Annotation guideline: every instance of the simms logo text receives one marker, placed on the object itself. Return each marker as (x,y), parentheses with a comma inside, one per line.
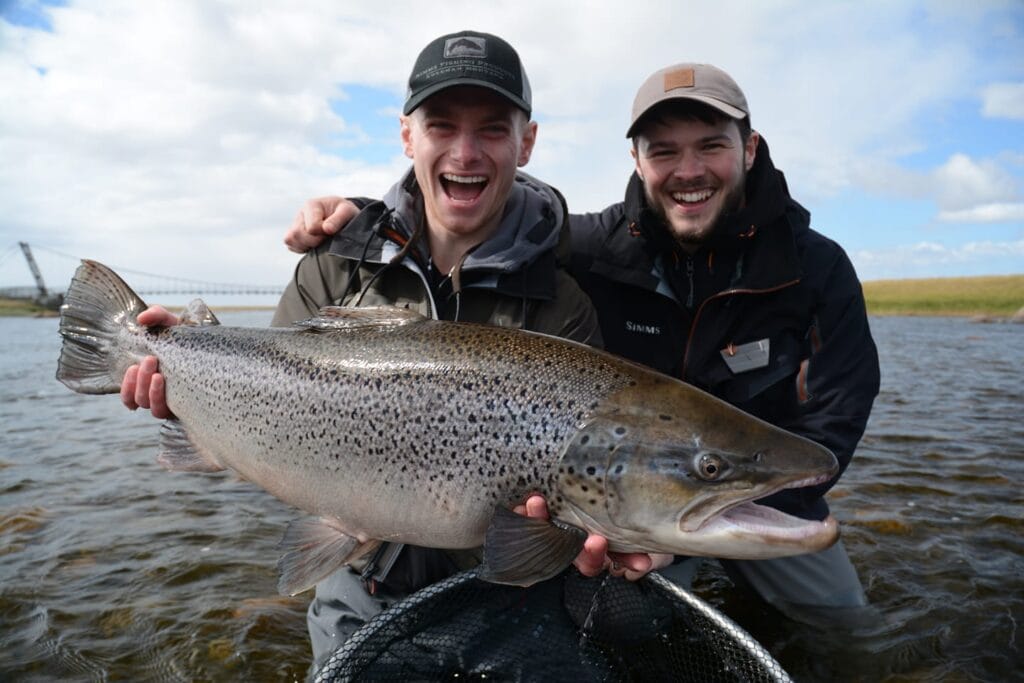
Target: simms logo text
(642,328)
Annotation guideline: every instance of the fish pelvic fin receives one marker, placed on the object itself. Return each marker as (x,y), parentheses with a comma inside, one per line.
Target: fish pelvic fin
(179,454)
(98,304)
(313,550)
(520,550)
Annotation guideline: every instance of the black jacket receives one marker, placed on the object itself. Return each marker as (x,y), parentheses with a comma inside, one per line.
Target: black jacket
(765,275)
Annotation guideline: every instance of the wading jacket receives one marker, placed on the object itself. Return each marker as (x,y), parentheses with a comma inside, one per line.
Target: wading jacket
(768,315)
(514,279)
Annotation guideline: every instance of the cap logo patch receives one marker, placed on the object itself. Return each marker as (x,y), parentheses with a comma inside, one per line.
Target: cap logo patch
(680,78)
(465,46)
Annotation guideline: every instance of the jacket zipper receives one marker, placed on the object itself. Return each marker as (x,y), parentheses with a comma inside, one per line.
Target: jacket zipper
(689,278)
(720,295)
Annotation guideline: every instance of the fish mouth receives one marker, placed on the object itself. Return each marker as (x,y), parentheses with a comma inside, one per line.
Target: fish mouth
(774,527)
(741,508)
(778,528)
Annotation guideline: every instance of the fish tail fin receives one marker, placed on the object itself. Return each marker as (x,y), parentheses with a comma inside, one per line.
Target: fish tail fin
(97,306)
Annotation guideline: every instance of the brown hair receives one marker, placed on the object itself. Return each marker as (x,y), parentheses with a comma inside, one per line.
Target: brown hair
(687,110)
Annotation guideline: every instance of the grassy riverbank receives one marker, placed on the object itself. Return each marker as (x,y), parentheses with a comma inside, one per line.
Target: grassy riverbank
(996,296)
(23,308)
(1000,296)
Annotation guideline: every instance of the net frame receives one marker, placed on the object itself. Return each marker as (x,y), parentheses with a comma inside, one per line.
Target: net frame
(568,628)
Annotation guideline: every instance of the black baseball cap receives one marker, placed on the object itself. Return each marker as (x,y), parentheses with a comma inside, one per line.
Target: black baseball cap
(468,58)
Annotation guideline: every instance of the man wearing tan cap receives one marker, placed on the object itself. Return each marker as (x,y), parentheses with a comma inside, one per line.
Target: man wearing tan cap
(709,271)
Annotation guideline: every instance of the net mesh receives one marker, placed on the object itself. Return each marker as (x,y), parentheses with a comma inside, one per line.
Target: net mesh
(568,628)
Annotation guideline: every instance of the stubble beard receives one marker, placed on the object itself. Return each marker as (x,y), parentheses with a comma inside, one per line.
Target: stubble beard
(691,241)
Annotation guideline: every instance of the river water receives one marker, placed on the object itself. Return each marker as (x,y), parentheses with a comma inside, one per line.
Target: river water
(113,569)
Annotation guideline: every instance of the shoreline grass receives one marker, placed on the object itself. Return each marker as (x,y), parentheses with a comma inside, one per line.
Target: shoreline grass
(986,296)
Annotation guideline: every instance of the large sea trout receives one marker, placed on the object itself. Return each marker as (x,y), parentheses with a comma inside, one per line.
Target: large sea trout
(387,426)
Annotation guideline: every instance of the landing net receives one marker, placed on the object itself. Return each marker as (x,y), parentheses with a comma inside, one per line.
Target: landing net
(570,628)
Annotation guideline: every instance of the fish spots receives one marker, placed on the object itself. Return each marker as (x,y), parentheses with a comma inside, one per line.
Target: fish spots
(432,410)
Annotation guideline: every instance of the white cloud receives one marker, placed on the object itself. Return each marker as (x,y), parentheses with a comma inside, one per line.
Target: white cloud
(926,259)
(986,213)
(965,190)
(194,130)
(963,184)
(1003,100)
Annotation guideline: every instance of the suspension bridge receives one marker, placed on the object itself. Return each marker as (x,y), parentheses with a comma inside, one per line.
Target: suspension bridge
(144,283)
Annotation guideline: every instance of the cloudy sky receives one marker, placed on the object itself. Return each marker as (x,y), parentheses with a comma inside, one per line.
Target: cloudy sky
(181,137)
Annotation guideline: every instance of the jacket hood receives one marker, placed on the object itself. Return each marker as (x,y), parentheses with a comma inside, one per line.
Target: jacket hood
(531,223)
(518,259)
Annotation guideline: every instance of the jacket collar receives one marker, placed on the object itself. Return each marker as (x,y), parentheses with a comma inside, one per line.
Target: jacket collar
(519,259)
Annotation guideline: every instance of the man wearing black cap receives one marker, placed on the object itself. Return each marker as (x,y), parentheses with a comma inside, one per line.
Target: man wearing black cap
(709,271)
(462,236)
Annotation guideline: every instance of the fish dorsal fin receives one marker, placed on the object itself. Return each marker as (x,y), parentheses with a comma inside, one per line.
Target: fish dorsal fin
(198,314)
(348,318)
(520,550)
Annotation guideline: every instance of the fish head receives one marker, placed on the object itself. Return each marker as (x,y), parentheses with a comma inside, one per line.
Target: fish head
(678,472)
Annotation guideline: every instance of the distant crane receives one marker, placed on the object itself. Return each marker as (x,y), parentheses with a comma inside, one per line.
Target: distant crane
(43,298)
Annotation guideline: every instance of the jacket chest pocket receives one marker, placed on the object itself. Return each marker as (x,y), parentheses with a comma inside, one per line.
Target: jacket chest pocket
(757,372)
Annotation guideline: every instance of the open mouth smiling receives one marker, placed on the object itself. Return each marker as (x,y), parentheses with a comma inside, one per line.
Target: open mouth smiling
(692,197)
(463,188)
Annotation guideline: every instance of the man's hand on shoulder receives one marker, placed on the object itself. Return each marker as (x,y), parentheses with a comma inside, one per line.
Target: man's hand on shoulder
(595,558)
(143,386)
(317,220)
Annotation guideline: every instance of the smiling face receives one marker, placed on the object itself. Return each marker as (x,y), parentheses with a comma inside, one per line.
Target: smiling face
(466,143)
(693,172)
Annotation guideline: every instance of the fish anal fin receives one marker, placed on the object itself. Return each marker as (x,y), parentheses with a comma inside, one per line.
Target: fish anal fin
(521,551)
(179,454)
(313,549)
(349,318)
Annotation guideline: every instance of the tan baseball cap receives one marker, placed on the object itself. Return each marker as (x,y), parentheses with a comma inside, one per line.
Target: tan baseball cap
(699,82)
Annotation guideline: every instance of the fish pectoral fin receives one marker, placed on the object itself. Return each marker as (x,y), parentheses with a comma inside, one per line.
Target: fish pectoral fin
(521,551)
(332,318)
(179,454)
(198,314)
(314,549)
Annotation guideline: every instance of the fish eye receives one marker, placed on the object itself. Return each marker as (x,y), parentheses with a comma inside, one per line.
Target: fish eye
(710,467)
